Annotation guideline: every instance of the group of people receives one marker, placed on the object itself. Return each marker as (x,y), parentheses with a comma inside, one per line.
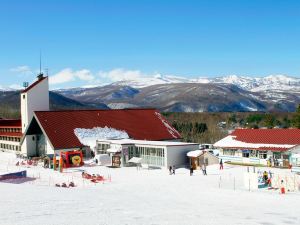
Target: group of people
(203,168)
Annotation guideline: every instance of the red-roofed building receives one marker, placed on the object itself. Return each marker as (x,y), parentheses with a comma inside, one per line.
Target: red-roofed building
(259,146)
(55,130)
(48,131)
(10,135)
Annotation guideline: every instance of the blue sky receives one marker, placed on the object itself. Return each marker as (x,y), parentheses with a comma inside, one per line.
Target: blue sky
(90,42)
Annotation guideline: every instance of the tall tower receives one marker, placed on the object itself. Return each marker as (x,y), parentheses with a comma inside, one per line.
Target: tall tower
(34,98)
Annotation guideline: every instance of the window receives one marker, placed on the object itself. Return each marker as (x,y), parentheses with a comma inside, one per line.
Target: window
(230,152)
(262,154)
(24,96)
(253,153)
(246,154)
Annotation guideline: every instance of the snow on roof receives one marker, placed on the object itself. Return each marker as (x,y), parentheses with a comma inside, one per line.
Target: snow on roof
(231,142)
(195,153)
(170,129)
(144,142)
(89,137)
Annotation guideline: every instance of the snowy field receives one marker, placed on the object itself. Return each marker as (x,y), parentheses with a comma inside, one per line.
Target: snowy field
(141,197)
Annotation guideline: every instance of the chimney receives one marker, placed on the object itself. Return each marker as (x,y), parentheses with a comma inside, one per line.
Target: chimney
(40,76)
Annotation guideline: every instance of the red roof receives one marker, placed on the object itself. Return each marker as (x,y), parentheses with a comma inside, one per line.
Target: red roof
(34,84)
(140,124)
(8,123)
(268,136)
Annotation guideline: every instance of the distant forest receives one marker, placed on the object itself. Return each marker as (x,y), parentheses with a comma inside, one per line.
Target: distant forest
(211,127)
(207,127)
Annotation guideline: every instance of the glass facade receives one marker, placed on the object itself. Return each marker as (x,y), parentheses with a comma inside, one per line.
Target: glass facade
(102,148)
(150,155)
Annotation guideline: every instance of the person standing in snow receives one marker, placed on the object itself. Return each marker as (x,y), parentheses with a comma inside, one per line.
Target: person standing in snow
(170,170)
(173,170)
(203,167)
(221,164)
(191,171)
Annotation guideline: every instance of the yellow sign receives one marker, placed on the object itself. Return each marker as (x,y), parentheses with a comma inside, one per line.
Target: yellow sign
(76,160)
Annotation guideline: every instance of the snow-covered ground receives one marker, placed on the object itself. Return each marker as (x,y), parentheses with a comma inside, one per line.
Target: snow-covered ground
(141,197)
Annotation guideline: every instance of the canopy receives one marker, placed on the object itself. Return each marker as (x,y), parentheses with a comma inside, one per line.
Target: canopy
(135,160)
(195,153)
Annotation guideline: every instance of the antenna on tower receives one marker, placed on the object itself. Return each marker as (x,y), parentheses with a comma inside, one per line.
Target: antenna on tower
(40,75)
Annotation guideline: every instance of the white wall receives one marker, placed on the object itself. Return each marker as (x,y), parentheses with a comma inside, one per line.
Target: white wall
(49,149)
(28,147)
(176,155)
(36,99)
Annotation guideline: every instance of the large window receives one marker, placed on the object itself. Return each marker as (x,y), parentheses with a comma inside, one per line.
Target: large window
(150,155)
(230,152)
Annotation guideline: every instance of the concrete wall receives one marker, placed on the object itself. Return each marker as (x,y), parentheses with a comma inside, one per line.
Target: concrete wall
(208,158)
(176,155)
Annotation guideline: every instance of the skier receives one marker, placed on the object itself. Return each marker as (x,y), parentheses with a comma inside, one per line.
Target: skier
(170,170)
(221,164)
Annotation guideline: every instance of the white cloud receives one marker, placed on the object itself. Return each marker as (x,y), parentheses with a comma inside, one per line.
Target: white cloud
(68,75)
(84,75)
(121,74)
(64,76)
(21,69)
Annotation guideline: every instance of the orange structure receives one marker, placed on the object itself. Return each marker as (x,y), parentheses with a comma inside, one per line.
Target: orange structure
(72,158)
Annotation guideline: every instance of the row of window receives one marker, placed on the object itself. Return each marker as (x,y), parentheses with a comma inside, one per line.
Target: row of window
(5,138)
(10,130)
(246,154)
(10,147)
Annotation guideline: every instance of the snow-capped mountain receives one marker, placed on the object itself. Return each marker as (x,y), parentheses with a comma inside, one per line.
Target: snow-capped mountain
(171,93)
(272,82)
(150,81)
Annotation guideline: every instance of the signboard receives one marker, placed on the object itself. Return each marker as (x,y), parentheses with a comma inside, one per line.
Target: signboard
(125,151)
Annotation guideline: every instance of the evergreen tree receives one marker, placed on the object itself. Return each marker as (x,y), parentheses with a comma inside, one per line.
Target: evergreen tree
(296,118)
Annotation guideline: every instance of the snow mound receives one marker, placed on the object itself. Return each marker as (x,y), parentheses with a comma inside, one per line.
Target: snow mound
(89,137)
